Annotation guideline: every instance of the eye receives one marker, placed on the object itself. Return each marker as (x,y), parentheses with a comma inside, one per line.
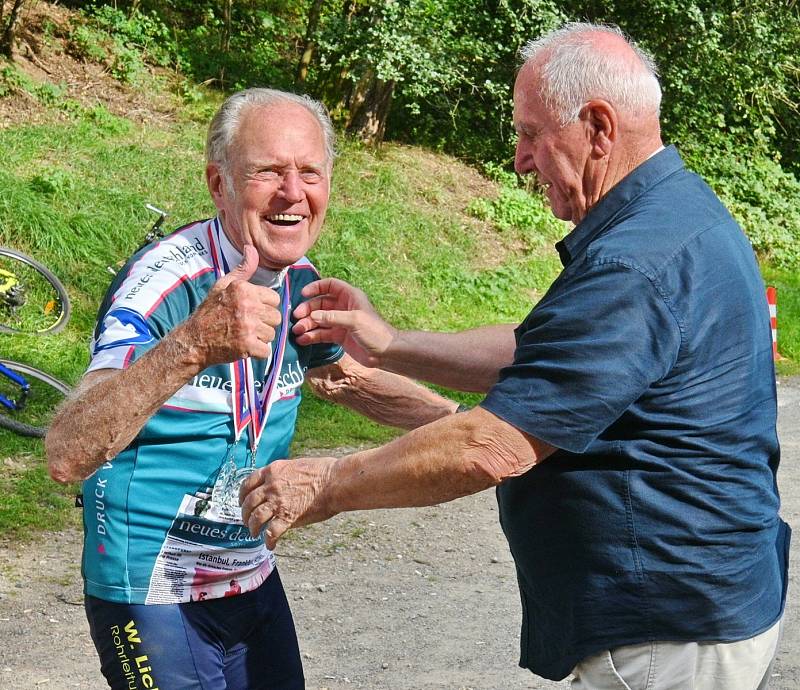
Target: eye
(527,132)
(311,175)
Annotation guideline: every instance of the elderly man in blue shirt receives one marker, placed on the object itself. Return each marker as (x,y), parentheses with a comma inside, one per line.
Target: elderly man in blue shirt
(630,420)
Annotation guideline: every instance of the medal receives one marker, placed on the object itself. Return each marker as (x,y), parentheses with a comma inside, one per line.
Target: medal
(250,408)
(225,494)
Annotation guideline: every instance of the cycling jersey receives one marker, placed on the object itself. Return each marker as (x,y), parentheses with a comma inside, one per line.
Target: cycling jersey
(153,531)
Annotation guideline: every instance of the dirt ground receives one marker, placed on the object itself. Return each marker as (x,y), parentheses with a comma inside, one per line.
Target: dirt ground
(414,599)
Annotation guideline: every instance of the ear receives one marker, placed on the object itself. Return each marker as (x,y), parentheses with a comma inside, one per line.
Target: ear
(602,124)
(216,184)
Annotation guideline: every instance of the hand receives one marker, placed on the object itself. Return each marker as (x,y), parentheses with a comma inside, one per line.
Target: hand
(285,494)
(237,319)
(339,313)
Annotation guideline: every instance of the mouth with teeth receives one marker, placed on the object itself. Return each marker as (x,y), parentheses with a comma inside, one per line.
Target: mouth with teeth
(285,219)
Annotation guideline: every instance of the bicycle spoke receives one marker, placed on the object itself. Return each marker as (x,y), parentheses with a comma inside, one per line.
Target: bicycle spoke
(29,301)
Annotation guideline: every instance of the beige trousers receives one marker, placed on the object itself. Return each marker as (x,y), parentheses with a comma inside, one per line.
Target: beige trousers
(743,665)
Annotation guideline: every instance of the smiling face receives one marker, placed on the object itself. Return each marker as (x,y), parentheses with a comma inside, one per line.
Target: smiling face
(279,183)
(559,156)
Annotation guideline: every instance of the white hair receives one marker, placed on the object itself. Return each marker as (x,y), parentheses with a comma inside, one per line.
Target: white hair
(225,123)
(574,70)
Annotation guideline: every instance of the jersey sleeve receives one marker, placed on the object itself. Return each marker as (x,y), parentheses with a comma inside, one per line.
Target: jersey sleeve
(584,354)
(143,304)
(321,354)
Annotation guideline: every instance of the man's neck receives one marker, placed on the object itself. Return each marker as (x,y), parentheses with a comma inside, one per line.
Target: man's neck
(268,277)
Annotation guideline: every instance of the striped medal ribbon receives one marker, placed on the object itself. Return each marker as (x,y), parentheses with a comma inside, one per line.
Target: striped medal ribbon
(250,408)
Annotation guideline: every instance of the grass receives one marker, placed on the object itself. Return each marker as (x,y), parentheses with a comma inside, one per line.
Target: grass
(787,284)
(404,224)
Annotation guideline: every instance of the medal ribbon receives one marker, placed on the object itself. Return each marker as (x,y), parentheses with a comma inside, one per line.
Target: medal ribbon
(250,408)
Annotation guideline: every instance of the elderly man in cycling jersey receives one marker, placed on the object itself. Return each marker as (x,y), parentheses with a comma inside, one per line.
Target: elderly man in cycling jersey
(193,383)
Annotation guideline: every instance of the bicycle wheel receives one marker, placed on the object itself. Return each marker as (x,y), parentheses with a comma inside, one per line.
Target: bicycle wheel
(32,299)
(45,394)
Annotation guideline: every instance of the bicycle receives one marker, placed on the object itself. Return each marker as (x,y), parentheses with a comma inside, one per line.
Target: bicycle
(28,397)
(32,301)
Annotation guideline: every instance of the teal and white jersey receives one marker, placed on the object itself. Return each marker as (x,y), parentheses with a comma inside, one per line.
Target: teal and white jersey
(153,534)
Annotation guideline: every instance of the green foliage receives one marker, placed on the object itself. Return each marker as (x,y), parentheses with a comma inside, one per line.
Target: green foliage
(126,44)
(730,73)
(88,44)
(10,80)
(451,61)
(256,54)
(31,500)
(46,93)
(761,195)
(517,209)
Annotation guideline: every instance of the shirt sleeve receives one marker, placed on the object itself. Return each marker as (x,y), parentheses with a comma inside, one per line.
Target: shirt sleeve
(321,354)
(325,353)
(139,310)
(585,353)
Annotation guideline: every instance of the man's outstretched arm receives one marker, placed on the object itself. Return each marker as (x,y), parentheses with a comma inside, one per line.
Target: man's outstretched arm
(382,396)
(453,457)
(467,361)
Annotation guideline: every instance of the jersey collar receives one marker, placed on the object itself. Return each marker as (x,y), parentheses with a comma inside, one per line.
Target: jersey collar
(233,257)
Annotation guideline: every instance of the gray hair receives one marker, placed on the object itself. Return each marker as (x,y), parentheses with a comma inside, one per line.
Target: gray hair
(226,122)
(574,71)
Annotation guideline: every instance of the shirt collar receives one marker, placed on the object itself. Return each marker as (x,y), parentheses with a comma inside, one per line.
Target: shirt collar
(646,175)
(233,257)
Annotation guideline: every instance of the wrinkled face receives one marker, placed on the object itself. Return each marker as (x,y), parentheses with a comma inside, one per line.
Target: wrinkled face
(556,155)
(279,183)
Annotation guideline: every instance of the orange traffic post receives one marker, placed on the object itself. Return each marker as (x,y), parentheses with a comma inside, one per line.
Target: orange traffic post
(772,300)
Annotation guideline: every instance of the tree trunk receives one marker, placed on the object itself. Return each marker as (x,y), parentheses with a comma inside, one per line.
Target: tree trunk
(309,44)
(225,43)
(369,109)
(10,29)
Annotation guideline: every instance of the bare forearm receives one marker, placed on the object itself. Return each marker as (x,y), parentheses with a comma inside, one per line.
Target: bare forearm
(454,457)
(466,361)
(382,396)
(105,415)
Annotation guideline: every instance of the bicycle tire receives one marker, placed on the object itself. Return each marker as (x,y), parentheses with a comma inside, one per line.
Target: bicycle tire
(46,309)
(46,392)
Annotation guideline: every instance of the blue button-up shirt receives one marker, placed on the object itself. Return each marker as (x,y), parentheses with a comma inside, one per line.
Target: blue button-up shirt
(648,364)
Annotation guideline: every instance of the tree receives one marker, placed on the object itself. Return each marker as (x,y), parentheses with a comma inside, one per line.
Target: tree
(309,43)
(9,23)
(424,56)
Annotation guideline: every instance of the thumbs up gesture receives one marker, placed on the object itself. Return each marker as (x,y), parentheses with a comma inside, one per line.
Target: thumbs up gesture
(236,319)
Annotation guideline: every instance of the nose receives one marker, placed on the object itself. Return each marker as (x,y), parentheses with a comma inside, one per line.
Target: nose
(291,187)
(523,158)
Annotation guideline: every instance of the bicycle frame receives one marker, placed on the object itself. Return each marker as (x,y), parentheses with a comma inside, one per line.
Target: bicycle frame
(24,387)
(9,289)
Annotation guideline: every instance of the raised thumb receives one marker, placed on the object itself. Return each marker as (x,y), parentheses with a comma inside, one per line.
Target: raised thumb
(244,270)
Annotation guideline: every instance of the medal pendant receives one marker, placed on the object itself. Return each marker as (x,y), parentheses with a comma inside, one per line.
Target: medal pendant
(225,495)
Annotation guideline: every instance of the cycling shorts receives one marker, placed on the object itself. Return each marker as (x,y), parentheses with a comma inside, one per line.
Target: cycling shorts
(242,642)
